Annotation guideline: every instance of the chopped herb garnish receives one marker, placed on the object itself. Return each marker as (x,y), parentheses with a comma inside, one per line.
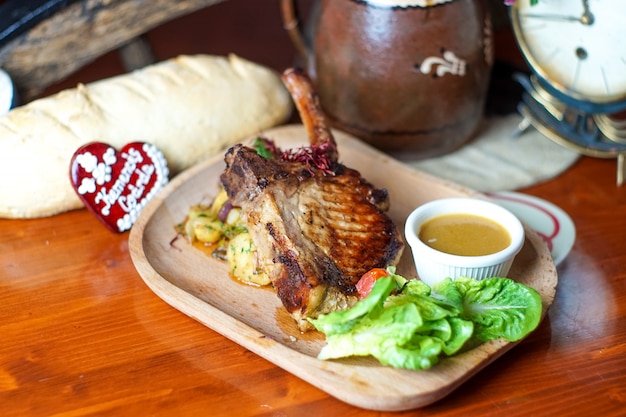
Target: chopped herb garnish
(266,148)
(314,156)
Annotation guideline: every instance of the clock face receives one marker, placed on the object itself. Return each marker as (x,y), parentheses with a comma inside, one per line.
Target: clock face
(577,46)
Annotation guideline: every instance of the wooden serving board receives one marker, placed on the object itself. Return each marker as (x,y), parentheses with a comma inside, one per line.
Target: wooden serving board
(200,286)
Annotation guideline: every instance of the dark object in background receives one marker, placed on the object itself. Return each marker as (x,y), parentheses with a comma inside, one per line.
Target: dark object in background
(44,41)
(505,92)
(18,17)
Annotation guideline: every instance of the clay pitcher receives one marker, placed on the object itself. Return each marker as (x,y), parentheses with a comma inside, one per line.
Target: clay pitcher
(410,77)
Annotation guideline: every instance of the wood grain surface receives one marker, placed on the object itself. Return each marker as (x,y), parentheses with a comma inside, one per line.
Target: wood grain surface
(82,334)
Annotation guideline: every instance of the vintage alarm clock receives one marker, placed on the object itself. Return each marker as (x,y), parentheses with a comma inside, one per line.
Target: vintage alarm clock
(576,93)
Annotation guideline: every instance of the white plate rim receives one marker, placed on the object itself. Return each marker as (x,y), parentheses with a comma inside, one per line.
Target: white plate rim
(559,234)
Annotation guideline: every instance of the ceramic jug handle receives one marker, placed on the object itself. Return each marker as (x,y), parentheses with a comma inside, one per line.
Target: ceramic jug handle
(291,23)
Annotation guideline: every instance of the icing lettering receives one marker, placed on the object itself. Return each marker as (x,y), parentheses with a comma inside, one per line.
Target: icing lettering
(133,157)
(130,202)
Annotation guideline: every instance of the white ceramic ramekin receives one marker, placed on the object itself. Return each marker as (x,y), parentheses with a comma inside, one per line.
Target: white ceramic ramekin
(433,266)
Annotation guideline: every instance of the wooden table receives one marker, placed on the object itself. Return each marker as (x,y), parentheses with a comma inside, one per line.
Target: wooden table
(81,334)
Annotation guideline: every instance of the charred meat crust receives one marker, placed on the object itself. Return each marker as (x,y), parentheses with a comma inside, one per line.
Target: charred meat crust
(320,230)
(317,225)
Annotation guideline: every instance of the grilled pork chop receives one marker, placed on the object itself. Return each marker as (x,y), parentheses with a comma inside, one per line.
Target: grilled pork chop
(317,230)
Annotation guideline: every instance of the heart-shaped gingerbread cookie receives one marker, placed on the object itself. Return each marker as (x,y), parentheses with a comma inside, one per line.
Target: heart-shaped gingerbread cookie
(116,185)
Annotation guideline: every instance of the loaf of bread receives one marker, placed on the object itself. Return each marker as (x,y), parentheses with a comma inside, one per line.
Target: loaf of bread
(190,107)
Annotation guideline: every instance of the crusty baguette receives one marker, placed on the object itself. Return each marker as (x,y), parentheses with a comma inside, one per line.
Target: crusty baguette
(190,107)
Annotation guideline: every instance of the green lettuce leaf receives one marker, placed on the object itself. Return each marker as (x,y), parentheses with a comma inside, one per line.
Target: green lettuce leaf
(421,352)
(498,307)
(415,327)
(453,332)
(344,320)
(372,335)
(430,307)
(415,287)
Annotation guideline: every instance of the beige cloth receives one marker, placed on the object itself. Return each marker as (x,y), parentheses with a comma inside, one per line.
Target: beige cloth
(497,160)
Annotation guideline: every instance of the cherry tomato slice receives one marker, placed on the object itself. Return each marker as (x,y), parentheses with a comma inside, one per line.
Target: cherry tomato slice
(365,284)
